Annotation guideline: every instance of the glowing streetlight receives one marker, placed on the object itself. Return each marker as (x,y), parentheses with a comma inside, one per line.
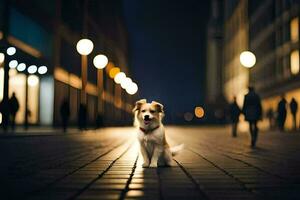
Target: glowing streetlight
(42,70)
(199,112)
(113,72)
(247,59)
(126,83)
(11,51)
(100,61)
(84,46)
(21,67)
(132,88)
(32,69)
(119,77)
(13,64)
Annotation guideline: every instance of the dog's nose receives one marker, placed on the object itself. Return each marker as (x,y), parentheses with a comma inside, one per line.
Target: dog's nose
(146,117)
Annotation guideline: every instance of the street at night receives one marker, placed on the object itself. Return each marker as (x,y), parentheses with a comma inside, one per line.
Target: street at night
(106,164)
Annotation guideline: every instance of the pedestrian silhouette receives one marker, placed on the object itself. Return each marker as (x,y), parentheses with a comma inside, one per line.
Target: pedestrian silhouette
(252,110)
(13,105)
(82,115)
(270,115)
(294,109)
(281,113)
(234,111)
(4,109)
(65,113)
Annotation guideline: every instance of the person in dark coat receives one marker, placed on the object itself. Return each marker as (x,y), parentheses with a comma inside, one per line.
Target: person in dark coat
(82,117)
(234,111)
(294,109)
(252,110)
(14,106)
(65,113)
(281,113)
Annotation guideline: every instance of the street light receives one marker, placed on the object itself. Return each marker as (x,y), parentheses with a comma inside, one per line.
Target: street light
(84,48)
(247,59)
(100,61)
(119,77)
(132,88)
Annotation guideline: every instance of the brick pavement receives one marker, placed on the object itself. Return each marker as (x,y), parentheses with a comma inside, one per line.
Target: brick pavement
(106,165)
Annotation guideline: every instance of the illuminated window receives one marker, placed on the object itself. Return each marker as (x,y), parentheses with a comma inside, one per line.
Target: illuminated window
(295,62)
(295,29)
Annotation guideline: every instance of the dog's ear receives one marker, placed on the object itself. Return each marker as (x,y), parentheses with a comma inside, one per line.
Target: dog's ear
(138,104)
(159,107)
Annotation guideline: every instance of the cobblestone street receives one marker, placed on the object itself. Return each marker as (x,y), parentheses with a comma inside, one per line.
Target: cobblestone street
(106,165)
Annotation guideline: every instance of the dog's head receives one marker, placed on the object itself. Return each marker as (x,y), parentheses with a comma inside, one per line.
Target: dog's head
(148,114)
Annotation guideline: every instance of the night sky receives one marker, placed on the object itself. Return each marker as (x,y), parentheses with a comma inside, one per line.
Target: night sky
(167,51)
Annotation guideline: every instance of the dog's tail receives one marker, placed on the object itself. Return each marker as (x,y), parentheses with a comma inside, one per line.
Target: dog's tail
(176,149)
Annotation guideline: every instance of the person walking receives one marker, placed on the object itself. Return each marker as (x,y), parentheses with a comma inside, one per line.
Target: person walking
(235,112)
(82,117)
(271,117)
(294,109)
(281,113)
(65,113)
(13,105)
(252,110)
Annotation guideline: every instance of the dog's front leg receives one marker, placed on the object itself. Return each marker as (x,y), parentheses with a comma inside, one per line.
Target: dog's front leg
(145,156)
(156,153)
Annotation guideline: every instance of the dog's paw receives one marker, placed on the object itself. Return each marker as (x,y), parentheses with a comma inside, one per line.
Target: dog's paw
(145,165)
(153,165)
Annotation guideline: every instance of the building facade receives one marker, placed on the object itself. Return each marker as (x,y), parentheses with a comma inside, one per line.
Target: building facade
(274,39)
(270,29)
(45,33)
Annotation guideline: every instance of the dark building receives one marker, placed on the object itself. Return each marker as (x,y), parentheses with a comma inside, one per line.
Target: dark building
(270,29)
(45,33)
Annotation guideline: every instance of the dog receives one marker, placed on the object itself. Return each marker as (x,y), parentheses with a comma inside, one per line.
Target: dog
(151,134)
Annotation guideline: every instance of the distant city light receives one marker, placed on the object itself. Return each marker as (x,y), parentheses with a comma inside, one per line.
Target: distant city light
(84,46)
(126,82)
(132,88)
(13,64)
(100,61)
(113,72)
(42,70)
(199,112)
(33,80)
(32,69)
(119,77)
(11,51)
(21,67)
(2,57)
(247,59)
(188,116)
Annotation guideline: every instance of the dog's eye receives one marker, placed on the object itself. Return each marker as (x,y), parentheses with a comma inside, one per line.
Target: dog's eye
(152,111)
(143,111)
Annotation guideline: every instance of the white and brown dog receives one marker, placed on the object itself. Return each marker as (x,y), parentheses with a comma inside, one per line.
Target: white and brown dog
(151,134)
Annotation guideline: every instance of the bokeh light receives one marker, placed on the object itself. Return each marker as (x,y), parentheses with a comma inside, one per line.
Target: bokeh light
(199,112)
(42,70)
(113,72)
(126,83)
(13,64)
(188,116)
(119,77)
(21,67)
(132,88)
(84,46)
(247,59)
(32,69)
(11,51)
(100,61)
